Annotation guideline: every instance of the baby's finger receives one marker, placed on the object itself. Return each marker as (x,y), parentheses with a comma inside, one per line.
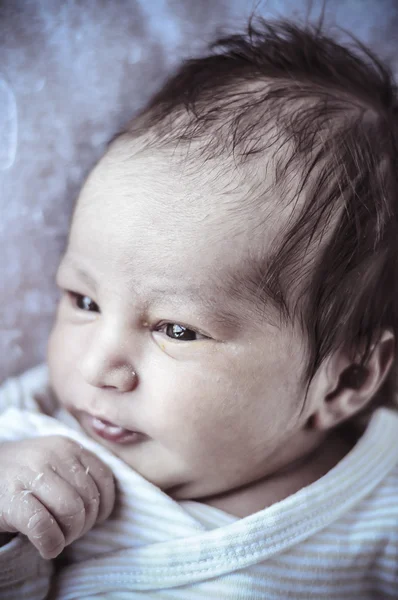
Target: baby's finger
(62,500)
(104,480)
(78,477)
(27,515)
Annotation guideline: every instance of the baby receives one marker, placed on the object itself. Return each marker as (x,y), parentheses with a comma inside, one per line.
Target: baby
(224,343)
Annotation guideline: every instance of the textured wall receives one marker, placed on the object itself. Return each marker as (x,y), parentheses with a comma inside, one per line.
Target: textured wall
(71,73)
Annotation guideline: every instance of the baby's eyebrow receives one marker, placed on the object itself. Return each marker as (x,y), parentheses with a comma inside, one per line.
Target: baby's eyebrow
(211,303)
(220,301)
(196,294)
(69,263)
(241,295)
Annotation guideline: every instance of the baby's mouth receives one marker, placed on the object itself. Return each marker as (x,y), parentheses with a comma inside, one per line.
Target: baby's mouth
(110,431)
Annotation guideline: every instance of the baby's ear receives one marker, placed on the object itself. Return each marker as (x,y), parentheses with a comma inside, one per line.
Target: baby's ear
(343,388)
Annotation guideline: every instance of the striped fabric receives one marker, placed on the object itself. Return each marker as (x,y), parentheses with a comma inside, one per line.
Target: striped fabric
(337,538)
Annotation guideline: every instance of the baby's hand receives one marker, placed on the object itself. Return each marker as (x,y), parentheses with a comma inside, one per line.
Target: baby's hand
(53,491)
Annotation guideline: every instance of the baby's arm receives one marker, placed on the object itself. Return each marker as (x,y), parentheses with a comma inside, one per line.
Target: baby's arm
(34,472)
(24,574)
(52,491)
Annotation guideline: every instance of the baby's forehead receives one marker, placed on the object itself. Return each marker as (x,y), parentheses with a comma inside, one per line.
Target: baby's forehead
(178,196)
(184,177)
(209,202)
(182,165)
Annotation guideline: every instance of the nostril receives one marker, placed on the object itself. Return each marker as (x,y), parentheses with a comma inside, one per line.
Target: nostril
(121,379)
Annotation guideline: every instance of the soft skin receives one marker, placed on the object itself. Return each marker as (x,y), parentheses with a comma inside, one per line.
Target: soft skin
(53,491)
(222,411)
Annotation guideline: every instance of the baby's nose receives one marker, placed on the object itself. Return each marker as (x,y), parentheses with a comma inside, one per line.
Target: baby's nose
(122,378)
(106,357)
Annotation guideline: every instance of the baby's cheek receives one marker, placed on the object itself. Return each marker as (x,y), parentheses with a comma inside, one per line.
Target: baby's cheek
(213,415)
(63,358)
(58,347)
(182,407)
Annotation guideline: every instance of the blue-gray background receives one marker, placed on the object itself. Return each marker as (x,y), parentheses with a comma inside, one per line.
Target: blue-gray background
(71,73)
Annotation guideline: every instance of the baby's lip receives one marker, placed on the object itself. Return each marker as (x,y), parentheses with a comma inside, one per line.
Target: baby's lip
(107,421)
(111,432)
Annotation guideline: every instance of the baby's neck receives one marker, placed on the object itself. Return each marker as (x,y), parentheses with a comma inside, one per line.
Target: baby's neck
(256,496)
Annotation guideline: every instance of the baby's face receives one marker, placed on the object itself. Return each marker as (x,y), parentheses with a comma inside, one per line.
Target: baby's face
(154,335)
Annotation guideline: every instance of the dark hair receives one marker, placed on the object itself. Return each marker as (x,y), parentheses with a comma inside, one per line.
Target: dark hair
(334,109)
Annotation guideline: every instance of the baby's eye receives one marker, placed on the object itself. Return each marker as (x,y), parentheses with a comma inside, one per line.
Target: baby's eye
(179,332)
(84,302)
